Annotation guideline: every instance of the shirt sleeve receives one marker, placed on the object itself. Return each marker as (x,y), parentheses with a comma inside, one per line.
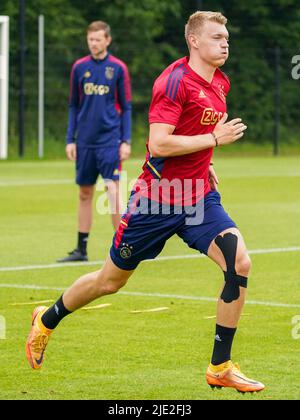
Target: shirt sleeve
(73,106)
(167,100)
(124,99)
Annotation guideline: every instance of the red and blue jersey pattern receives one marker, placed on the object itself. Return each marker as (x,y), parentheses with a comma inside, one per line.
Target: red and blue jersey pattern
(194,106)
(100,103)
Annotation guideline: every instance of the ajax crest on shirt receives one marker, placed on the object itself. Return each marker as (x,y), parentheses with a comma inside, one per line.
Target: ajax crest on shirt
(109,73)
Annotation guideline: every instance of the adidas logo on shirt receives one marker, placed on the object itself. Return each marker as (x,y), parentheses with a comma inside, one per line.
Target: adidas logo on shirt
(202,94)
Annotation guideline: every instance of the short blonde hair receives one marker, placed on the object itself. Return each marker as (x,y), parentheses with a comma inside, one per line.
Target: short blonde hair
(198,19)
(99,25)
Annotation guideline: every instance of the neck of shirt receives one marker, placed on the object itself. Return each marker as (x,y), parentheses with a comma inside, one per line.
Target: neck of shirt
(100,60)
(203,80)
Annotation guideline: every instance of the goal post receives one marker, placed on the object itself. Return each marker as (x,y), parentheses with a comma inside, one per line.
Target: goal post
(4,74)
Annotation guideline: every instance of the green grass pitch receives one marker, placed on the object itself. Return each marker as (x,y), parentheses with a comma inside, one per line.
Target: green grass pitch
(112,353)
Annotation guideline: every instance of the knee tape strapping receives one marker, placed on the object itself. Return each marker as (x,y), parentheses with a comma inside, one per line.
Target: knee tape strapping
(228,246)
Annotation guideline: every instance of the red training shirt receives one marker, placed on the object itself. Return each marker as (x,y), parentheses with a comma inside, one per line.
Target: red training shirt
(184,99)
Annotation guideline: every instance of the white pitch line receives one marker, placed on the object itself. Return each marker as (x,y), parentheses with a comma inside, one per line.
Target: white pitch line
(33,183)
(274,250)
(48,266)
(166,258)
(260,175)
(29,286)
(157,295)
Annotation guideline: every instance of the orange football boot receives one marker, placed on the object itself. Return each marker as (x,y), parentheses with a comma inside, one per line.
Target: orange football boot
(38,339)
(229,375)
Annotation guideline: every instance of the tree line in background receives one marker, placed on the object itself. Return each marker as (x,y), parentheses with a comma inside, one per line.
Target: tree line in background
(148,35)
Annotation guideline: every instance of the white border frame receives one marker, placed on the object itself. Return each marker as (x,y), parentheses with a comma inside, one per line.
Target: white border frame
(41,84)
(4,81)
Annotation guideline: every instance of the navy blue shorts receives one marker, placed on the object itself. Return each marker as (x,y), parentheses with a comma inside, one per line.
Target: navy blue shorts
(91,163)
(143,236)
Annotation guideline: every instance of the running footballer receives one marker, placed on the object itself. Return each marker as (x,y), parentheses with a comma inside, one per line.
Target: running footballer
(188,120)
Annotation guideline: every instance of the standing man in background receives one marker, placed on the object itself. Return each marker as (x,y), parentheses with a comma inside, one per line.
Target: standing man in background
(99,129)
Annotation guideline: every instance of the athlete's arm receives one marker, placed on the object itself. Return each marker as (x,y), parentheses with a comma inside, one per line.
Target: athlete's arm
(163,143)
(124,96)
(71,151)
(125,151)
(73,108)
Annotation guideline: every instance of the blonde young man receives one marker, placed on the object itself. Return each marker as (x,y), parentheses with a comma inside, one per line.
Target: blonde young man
(99,129)
(187,121)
